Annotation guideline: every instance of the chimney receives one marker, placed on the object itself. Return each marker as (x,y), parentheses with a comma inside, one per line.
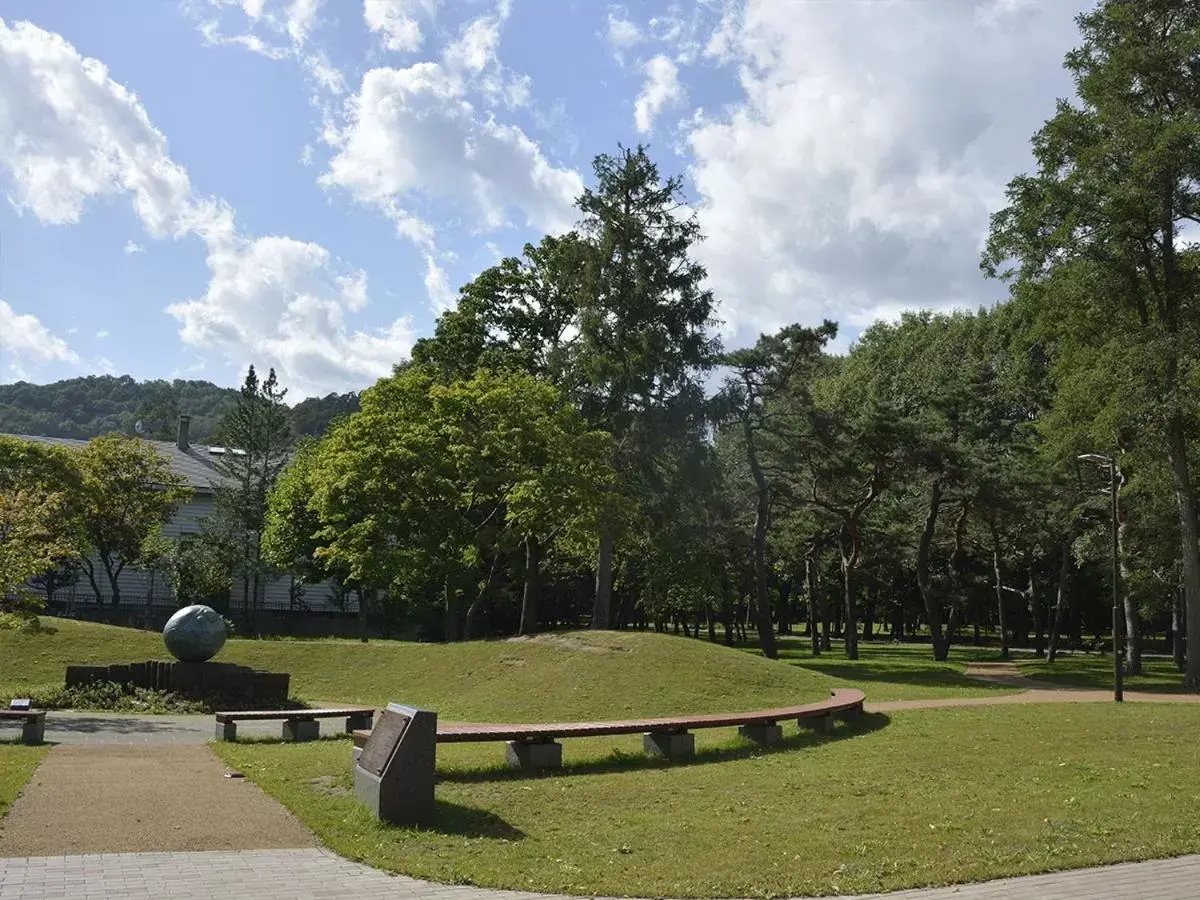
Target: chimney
(182,441)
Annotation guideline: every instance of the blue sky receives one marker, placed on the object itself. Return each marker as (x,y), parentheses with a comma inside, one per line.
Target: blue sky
(193,186)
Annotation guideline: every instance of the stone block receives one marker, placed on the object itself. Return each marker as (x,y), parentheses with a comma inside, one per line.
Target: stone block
(534,755)
(34,730)
(301,729)
(81,675)
(669,746)
(394,773)
(226,731)
(768,735)
(355,754)
(358,723)
(849,715)
(820,724)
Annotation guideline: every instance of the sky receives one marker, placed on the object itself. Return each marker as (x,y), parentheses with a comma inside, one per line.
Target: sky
(191,186)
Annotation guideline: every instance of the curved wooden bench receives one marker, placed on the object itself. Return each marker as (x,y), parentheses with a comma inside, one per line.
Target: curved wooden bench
(535,746)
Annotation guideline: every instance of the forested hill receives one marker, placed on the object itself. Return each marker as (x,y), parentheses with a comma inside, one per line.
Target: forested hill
(101,404)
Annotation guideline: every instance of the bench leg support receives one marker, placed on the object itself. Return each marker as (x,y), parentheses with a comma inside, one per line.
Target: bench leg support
(819,724)
(851,714)
(534,755)
(301,729)
(33,731)
(358,723)
(226,731)
(766,735)
(669,746)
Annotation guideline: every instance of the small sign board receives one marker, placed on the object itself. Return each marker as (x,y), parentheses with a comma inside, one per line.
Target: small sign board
(385,738)
(23,704)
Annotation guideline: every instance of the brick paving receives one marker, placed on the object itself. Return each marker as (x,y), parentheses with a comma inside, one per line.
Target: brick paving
(321,875)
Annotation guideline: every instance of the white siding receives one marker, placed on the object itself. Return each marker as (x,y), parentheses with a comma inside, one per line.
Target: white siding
(140,587)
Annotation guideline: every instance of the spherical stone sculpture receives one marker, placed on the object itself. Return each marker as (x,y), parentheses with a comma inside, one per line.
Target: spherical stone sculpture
(194,633)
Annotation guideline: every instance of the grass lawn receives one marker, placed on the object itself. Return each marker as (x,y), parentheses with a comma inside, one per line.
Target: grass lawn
(582,674)
(928,797)
(17,762)
(1095,671)
(887,671)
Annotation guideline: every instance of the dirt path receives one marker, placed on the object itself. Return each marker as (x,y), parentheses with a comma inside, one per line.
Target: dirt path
(116,799)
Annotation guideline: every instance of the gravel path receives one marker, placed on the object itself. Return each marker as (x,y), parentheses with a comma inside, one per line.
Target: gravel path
(117,799)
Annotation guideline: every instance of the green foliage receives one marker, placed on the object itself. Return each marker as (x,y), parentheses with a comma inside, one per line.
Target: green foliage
(104,404)
(127,491)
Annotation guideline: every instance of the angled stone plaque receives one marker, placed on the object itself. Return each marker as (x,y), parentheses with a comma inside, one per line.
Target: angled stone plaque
(394,775)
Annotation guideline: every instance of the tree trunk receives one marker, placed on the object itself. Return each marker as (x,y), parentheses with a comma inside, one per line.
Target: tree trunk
(1133,625)
(762,592)
(362,615)
(933,606)
(1001,616)
(529,597)
(602,608)
(850,635)
(1185,495)
(1178,630)
(1038,614)
(451,623)
(785,608)
(814,604)
(1060,606)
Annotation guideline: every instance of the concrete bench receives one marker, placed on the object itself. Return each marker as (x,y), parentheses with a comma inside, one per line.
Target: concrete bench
(33,723)
(298,724)
(537,747)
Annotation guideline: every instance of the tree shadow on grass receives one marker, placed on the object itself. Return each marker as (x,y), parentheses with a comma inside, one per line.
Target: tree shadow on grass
(922,676)
(622,761)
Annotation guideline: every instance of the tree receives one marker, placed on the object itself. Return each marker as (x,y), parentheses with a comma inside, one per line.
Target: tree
(39,527)
(434,482)
(776,365)
(259,436)
(127,492)
(643,322)
(1118,179)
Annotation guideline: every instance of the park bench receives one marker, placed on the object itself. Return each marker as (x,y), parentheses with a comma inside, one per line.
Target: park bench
(536,747)
(33,723)
(298,724)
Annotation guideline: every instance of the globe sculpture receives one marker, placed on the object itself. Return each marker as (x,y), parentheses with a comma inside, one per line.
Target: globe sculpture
(194,633)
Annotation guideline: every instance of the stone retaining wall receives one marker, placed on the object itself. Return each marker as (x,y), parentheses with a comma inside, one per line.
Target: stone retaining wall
(190,679)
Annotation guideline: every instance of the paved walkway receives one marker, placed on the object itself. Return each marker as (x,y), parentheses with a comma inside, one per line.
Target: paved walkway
(111,798)
(321,875)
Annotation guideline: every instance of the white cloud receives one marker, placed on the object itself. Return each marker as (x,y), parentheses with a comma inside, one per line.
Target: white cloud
(872,140)
(299,19)
(662,89)
(285,301)
(102,334)
(23,335)
(622,33)
(397,23)
(413,131)
(274,300)
(132,247)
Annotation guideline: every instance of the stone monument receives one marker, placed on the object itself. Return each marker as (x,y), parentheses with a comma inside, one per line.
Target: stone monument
(394,774)
(195,633)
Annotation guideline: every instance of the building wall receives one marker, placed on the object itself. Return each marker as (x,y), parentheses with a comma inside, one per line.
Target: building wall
(149,589)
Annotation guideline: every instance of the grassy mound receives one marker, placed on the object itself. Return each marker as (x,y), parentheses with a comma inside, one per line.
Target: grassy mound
(935,797)
(572,675)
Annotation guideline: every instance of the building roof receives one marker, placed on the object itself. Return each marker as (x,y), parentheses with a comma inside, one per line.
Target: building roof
(198,464)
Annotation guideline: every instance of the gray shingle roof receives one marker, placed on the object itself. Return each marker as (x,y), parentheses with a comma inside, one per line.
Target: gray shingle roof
(197,464)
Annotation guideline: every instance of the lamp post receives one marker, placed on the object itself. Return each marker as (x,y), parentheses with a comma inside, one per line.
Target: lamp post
(1118,679)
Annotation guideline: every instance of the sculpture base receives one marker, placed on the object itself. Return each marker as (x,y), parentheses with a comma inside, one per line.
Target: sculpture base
(224,681)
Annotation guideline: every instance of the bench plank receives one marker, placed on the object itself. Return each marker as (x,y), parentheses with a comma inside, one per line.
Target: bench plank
(23,714)
(841,700)
(259,715)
